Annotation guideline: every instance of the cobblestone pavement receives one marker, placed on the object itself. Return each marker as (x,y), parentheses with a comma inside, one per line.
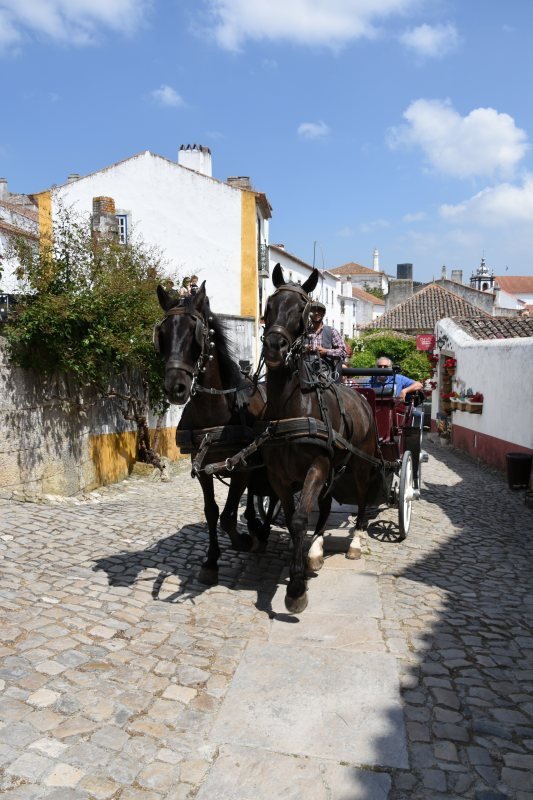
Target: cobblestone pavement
(115,661)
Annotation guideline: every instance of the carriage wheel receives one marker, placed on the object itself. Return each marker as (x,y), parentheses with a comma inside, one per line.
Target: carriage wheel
(405,494)
(263,505)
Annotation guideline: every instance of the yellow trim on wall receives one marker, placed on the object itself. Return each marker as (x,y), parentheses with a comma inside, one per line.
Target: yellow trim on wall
(113,454)
(44,202)
(248,255)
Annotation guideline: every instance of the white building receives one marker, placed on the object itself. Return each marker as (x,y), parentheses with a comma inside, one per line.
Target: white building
(18,217)
(203,226)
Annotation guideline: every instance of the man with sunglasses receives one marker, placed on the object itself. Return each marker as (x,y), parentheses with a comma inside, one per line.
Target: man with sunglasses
(402,385)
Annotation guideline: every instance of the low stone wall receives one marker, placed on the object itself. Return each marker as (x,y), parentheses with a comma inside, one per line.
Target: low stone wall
(46,447)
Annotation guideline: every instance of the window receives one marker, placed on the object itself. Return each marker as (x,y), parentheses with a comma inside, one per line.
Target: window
(122,224)
(342,329)
(342,306)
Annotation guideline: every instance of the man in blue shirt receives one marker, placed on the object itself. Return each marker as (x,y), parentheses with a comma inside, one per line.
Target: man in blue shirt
(402,385)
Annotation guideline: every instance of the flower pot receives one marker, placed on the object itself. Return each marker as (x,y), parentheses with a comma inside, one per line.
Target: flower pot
(474,408)
(461,405)
(450,370)
(446,405)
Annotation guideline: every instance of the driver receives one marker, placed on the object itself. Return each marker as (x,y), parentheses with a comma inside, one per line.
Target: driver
(403,385)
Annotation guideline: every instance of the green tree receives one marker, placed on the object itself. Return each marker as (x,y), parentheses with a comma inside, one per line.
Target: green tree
(401,348)
(88,312)
(375,290)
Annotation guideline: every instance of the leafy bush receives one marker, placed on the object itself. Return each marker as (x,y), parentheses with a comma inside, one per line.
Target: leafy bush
(88,311)
(398,347)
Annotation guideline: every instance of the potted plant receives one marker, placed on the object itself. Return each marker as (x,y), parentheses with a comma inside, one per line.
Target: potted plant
(450,365)
(446,400)
(475,403)
(454,400)
(433,361)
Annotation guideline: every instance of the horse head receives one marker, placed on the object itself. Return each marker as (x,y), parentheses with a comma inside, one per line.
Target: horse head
(182,339)
(285,318)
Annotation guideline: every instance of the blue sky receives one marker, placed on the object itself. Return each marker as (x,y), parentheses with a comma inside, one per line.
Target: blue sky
(404,125)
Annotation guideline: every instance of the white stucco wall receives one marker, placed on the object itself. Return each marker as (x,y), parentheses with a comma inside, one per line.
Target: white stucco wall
(502,370)
(16,223)
(193,219)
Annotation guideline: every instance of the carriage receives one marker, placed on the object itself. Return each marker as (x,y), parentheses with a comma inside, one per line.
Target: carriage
(315,441)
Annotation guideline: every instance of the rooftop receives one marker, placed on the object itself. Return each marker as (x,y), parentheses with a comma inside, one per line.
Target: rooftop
(353,269)
(515,284)
(496,327)
(425,308)
(360,294)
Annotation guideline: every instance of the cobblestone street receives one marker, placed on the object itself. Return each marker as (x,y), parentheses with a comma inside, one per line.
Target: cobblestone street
(410,675)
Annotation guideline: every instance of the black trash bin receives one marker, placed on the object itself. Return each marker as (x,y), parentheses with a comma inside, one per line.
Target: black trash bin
(518,470)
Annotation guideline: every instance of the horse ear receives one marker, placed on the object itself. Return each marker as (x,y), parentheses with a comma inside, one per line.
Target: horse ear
(200,297)
(277,276)
(311,282)
(165,300)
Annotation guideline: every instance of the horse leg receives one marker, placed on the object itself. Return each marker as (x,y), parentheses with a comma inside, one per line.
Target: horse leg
(209,570)
(296,596)
(228,518)
(315,555)
(257,529)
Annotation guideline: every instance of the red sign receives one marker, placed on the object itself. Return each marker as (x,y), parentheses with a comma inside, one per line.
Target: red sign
(425,341)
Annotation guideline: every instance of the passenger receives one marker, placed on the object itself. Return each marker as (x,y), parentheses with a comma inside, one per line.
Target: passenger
(193,286)
(325,340)
(184,290)
(403,385)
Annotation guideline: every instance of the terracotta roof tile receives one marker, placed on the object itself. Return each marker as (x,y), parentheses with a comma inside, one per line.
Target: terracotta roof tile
(497,327)
(353,269)
(425,308)
(515,284)
(367,297)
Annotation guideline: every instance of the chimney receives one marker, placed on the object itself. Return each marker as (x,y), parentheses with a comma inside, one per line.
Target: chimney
(3,188)
(400,290)
(73,177)
(241,182)
(443,273)
(457,275)
(103,219)
(196,157)
(404,272)
(375,260)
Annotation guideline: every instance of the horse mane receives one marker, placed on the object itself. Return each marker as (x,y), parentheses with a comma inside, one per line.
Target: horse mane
(230,371)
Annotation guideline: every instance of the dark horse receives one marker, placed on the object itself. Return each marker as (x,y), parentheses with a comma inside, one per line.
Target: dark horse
(321,470)
(200,371)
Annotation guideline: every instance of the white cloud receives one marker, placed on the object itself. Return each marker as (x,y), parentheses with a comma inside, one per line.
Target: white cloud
(431,41)
(484,143)
(345,232)
(495,206)
(373,225)
(331,23)
(77,22)
(167,96)
(418,216)
(313,130)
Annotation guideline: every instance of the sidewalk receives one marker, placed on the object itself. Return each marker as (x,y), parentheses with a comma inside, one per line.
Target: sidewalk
(410,674)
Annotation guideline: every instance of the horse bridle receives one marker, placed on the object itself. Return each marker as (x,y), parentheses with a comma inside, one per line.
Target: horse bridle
(202,335)
(294,343)
(204,338)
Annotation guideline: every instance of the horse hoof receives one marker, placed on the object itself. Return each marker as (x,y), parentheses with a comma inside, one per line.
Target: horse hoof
(353,553)
(295,605)
(315,563)
(208,576)
(243,543)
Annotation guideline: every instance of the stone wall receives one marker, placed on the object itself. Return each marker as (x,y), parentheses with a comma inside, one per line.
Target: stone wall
(46,447)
